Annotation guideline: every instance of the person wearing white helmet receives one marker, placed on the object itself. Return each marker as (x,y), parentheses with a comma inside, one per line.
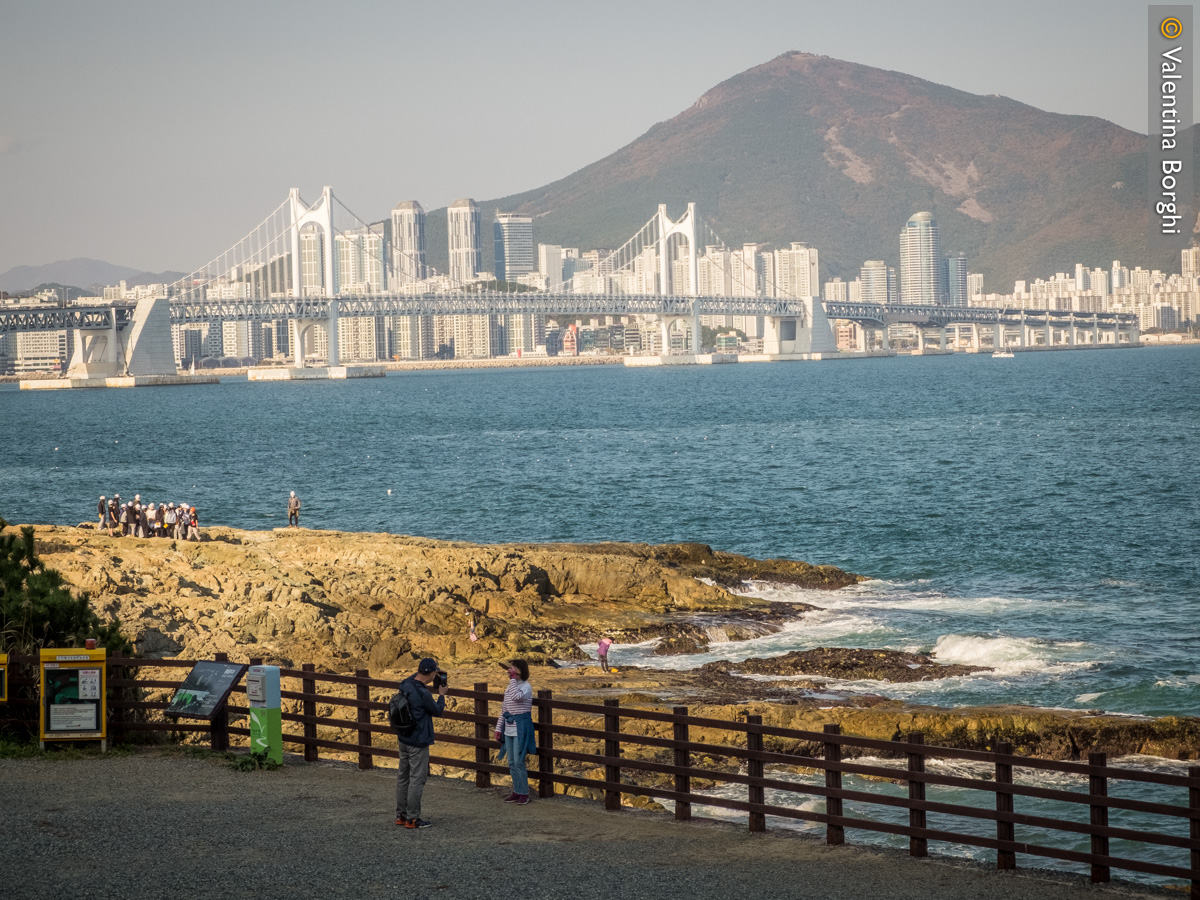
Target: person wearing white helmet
(102,510)
(293,510)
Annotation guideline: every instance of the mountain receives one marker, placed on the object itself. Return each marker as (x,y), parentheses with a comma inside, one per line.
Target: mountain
(92,273)
(840,155)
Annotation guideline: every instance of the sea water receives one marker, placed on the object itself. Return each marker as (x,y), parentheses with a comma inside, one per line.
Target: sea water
(1039,516)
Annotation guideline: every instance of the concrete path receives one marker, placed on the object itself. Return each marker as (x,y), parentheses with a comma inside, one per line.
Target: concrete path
(159,826)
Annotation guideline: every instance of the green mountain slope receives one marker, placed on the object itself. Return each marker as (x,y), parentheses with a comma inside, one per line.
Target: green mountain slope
(807,148)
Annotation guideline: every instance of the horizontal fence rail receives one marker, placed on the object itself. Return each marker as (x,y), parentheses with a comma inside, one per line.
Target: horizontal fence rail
(608,750)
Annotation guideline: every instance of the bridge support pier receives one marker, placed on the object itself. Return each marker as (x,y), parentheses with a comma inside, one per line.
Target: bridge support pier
(799,336)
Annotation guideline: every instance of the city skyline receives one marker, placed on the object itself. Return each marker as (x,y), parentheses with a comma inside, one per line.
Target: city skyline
(88,144)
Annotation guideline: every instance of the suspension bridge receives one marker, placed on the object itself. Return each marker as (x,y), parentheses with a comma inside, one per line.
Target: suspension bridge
(310,264)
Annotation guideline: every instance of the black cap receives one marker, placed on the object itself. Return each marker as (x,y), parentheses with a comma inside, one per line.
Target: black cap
(428,665)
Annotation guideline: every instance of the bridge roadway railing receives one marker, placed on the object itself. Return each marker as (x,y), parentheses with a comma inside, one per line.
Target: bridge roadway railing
(475,304)
(59,318)
(1091,814)
(528,303)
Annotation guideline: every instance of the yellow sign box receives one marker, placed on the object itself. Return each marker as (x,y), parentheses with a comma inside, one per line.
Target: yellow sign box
(3,677)
(73,682)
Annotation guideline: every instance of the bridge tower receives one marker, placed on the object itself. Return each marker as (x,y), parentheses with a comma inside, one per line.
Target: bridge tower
(686,227)
(319,214)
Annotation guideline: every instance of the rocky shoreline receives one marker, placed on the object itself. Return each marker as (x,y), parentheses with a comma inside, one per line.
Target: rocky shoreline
(347,601)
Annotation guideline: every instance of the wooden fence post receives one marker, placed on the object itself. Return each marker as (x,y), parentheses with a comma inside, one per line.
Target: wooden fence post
(362,693)
(545,744)
(834,834)
(483,732)
(1194,806)
(683,759)
(612,748)
(1098,787)
(218,725)
(754,768)
(117,673)
(308,685)
(1005,831)
(917,846)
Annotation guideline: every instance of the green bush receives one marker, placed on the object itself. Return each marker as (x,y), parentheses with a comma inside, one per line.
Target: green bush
(37,608)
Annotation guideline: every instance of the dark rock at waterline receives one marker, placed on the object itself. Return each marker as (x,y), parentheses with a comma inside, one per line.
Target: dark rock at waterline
(847,664)
(733,569)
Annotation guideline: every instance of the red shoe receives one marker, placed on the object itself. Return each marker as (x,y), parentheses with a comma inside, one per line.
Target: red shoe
(400,820)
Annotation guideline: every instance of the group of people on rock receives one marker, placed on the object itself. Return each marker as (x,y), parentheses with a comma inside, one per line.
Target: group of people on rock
(133,518)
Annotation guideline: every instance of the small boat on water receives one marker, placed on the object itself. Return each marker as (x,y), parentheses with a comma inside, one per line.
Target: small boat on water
(1002,354)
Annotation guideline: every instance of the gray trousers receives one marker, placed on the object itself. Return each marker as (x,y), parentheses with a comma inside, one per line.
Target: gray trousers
(410,780)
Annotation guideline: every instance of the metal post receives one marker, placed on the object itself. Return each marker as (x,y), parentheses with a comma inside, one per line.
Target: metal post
(834,834)
(754,768)
(683,759)
(612,749)
(917,846)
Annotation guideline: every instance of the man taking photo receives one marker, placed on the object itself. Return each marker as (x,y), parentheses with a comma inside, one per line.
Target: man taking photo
(414,748)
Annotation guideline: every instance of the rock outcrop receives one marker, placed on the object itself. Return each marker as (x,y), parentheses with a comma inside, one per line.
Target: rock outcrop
(847,664)
(379,601)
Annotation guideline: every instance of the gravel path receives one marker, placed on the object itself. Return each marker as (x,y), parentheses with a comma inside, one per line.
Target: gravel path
(158,826)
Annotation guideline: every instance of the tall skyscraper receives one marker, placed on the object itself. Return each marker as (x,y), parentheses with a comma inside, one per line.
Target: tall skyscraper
(974,284)
(874,278)
(359,263)
(956,280)
(921,273)
(408,244)
(463,226)
(1191,262)
(796,271)
(513,236)
(550,264)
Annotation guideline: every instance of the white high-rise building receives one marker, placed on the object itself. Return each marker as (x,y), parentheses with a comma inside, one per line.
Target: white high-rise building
(550,265)
(796,272)
(408,244)
(922,279)
(1191,262)
(312,263)
(974,284)
(513,242)
(462,232)
(874,278)
(360,261)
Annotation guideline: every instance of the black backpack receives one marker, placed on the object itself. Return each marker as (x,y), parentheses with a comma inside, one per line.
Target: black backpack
(400,715)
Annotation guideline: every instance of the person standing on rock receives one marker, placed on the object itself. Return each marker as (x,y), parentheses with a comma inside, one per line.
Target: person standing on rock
(602,652)
(293,510)
(102,510)
(514,729)
(413,770)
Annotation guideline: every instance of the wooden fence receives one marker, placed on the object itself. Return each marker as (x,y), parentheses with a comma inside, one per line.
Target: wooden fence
(608,735)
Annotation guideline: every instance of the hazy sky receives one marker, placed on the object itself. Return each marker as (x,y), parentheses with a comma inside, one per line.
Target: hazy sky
(156,134)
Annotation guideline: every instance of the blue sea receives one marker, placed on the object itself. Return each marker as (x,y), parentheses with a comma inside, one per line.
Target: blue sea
(1039,515)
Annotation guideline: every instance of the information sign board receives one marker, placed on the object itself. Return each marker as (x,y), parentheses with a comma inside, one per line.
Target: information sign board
(205,689)
(72,689)
(3,677)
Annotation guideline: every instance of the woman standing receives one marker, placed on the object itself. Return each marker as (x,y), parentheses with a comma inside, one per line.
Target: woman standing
(514,729)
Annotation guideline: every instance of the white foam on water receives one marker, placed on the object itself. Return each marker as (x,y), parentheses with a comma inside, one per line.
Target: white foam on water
(1088,698)
(1009,656)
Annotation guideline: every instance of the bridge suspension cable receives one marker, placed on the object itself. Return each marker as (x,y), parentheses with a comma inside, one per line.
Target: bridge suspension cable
(246,261)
